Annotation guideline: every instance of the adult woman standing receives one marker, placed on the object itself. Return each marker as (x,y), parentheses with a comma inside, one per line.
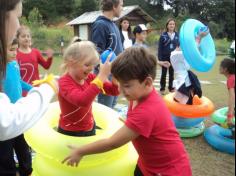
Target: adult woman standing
(16,118)
(169,40)
(126,33)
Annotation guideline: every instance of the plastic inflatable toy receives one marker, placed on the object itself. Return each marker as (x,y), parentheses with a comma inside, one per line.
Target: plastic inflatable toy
(187,123)
(192,132)
(202,58)
(219,116)
(105,55)
(203,108)
(51,147)
(218,138)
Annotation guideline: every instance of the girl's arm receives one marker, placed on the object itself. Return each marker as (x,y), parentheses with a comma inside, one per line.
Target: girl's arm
(120,138)
(43,62)
(111,89)
(76,96)
(160,48)
(17,118)
(231,104)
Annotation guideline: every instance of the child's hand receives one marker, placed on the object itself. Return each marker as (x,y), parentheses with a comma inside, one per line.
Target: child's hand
(50,80)
(49,53)
(230,122)
(164,64)
(74,158)
(105,69)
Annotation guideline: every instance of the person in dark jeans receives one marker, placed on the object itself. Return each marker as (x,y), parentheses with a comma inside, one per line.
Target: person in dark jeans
(106,35)
(7,162)
(167,43)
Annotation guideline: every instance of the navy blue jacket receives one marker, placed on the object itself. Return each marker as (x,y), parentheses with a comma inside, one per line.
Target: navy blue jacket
(165,43)
(105,35)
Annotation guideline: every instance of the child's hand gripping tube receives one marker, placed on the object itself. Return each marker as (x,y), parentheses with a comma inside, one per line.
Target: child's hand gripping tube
(105,54)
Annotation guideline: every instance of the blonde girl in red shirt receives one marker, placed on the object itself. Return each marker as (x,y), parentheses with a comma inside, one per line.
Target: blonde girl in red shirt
(78,88)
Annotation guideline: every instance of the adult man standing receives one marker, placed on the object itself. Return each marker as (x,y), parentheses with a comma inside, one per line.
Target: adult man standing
(105,34)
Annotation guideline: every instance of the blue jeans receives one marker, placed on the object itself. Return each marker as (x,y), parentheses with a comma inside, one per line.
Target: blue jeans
(109,101)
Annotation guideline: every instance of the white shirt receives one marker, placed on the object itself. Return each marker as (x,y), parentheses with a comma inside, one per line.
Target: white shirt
(17,118)
(181,68)
(127,42)
(233,46)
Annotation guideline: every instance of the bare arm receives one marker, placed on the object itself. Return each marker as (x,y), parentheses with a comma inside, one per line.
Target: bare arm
(120,138)
(231,101)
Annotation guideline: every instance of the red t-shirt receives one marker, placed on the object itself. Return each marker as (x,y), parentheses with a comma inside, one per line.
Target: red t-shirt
(76,102)
(161,151)
(231,82)
(29,64)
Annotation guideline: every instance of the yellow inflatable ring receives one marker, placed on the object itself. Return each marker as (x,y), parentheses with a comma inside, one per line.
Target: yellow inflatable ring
(201,107)
(51,147)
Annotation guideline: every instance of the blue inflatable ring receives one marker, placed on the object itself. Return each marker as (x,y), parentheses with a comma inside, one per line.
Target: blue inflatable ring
(216,136)
(186,123)
(200,58)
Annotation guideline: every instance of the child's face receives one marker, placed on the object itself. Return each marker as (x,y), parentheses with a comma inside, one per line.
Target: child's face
(11,52)
(24,38)
(81,70)
(142,36)
(223,71)
(171,26)
(125,25)
(134,90)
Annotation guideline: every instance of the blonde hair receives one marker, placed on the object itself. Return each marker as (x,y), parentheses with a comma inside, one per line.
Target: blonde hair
(78,52)
(21,29)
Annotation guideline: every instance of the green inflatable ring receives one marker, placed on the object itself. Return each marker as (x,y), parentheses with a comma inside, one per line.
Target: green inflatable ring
(51,147)
(192,132)
(219,116)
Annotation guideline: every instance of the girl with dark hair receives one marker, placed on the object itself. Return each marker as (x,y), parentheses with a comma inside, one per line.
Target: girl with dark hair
(17,118)
(227,68)
(168,42)
(126,33)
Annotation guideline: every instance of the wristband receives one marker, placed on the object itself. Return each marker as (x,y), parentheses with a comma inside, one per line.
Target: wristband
(99,84)
(230,116)
(47,80)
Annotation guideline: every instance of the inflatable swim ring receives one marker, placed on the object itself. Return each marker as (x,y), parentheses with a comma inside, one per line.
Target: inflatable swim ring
(217,137)
(201,59)
(51,147)
(219,116)
(186,123)
(192,132)
(203,108)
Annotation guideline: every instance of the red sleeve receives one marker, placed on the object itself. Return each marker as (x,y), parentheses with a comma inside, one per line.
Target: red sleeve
(76,96)
(140,121)
(43,62)
(231,82)
(111,89)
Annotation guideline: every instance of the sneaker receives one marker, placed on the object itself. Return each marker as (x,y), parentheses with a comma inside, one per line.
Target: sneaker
(163,92)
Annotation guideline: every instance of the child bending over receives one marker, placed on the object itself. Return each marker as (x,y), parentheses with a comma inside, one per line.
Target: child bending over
(149,125)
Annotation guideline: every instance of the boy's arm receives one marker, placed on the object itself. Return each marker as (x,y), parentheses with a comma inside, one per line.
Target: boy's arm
(120,138)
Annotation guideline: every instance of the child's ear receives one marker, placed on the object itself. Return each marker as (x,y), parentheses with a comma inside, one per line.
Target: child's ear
(149,82)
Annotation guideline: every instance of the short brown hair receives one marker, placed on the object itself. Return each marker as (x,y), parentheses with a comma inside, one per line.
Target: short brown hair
(107,5)
(135,63)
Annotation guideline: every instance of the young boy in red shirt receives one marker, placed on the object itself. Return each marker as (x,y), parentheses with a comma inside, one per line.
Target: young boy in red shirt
(149,125)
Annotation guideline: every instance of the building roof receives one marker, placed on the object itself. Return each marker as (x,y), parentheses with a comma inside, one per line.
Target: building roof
(90,17)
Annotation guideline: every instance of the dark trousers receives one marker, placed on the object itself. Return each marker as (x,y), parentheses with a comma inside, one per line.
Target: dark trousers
(7,162)
(163,78)
(138,172)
